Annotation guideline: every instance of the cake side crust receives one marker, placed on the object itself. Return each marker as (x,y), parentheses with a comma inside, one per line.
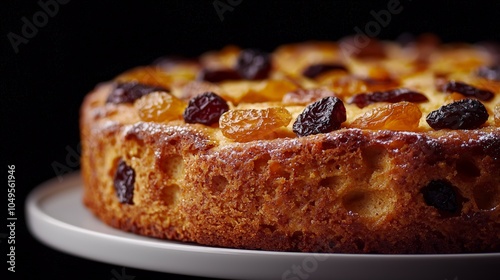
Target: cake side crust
(350,191)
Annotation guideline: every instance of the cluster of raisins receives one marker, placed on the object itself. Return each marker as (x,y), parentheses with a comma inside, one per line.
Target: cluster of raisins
(463,114)
(322,116)
(251,64)
(327,114)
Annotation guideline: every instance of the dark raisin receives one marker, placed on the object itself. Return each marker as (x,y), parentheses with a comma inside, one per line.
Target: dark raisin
(490,73)
(124,183)
(253,64)
(441,195)
(462,114)
(205,108)
(129,92)
(322,116)
(317,69)
(468,90)
(393,96)
(218,75)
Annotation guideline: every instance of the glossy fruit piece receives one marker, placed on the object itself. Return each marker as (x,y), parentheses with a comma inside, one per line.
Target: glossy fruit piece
(253,124)
(159,107)
(395,95)
(253,64)
(130,91)
(398,116)
(322,116)
(123,183)
(462,114)
(205,108)
(468,90)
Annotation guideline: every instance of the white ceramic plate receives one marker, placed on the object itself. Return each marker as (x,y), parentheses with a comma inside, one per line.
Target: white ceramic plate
(57,217)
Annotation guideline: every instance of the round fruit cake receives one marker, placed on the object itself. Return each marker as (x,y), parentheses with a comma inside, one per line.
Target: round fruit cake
(314,147)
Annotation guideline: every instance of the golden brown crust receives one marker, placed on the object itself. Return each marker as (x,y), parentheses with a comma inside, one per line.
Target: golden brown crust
(347,191)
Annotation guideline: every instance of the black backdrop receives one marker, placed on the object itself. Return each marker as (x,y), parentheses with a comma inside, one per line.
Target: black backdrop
(82,43)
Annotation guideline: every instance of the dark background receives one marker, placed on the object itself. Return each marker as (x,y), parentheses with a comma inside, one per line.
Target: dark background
(42,86)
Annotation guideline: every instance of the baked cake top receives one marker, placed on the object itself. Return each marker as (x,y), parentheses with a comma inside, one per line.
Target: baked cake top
(241,95)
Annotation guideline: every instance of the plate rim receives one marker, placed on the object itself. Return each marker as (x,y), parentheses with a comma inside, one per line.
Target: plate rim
(70,182)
